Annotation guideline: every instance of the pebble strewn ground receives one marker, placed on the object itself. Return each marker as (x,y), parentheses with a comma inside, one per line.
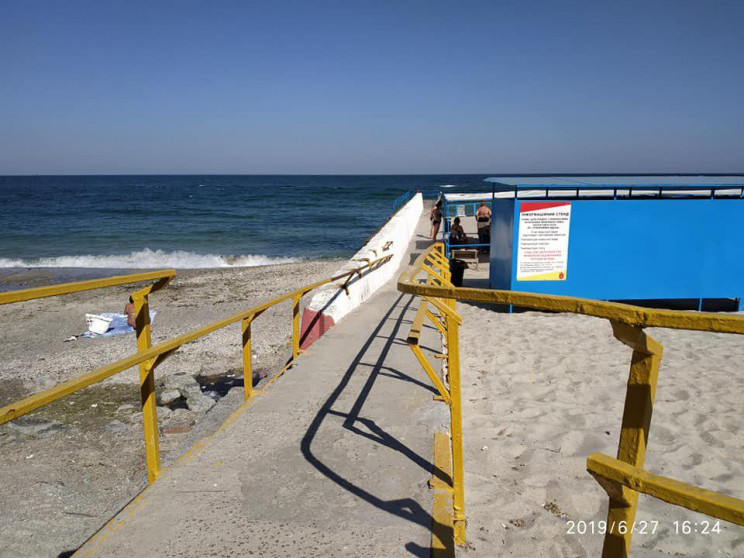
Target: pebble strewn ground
(67,468)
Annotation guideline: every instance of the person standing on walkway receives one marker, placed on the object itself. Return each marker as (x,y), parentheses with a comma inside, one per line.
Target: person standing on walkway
(483,222)
(436,219)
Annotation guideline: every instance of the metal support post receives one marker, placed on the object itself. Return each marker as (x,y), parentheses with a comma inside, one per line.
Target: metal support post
(639,405)
(458,478)
(247,358)
(296,326)
(147,386)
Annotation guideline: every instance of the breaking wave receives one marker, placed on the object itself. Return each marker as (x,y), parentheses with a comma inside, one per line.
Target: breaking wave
(145,259)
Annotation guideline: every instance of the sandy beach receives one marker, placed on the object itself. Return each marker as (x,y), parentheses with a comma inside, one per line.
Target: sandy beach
(541,392)
(74,475)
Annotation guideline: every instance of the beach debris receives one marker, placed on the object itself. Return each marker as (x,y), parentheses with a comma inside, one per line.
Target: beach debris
(71,338)
(94,405)
(484,448)
(553,508)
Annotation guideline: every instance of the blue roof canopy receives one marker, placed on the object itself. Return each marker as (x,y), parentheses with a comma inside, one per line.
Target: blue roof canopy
(614,181)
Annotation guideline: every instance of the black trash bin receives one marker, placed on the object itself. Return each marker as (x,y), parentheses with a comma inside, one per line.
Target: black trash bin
(457,269)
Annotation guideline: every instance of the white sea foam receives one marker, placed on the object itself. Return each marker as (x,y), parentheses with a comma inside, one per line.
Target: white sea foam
(147,258)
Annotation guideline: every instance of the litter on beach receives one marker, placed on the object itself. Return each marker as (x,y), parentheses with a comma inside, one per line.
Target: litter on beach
(98,324)
(117,326)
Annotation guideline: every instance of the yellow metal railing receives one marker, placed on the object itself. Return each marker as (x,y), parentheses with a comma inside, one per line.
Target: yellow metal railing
(622,478)
(163,276)
(142,327)
(149,356)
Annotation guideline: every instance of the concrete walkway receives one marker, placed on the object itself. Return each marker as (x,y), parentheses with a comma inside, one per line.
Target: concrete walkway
(333,460)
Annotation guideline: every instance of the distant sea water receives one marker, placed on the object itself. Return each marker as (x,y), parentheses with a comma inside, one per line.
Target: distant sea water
(197,221)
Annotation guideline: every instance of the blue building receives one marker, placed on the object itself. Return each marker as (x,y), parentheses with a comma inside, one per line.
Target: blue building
(615,237)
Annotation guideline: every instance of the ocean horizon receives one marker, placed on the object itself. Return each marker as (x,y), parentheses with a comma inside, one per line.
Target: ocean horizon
(204,221)
(197,221)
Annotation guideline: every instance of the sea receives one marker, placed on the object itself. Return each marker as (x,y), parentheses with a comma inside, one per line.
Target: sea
(187,222)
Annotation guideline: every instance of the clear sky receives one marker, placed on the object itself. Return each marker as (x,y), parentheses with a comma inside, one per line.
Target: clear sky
(346,87)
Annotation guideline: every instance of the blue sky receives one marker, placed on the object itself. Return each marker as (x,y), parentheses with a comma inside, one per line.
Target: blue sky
(370,87)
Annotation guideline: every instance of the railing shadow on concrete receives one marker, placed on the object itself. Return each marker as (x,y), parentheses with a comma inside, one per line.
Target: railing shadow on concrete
(149,357)
(405,508)
(623,478)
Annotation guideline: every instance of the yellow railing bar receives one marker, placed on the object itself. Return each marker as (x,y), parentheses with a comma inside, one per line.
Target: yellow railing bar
(436,321)
(634,431)
(436,275)
(413,343)
(417,325)
(623,478)
(625,313)
(24,406)
(452,324)
(618,473)
(79,286)
(148,357)
(444,309)
(452,396)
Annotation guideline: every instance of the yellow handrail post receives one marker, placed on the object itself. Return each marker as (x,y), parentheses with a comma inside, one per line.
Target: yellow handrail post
(147,386)
(247,358)
(443,278)
(639,405)
(453,368)
(296,326)
(622,478)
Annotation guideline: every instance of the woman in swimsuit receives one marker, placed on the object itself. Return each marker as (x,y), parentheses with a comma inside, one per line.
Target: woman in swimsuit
(129,311)
(436,219)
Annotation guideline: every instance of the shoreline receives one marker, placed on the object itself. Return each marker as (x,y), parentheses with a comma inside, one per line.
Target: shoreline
(13,278)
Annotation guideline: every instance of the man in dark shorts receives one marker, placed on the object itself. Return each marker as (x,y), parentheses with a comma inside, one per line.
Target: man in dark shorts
(483,222)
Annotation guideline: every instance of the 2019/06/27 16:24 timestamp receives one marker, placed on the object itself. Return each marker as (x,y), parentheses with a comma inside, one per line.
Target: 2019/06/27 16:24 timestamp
(642,527)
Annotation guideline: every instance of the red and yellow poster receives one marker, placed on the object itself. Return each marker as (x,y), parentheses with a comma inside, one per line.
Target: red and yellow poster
(542,248)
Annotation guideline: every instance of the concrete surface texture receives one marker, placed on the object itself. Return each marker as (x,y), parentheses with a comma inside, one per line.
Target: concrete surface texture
(333,460)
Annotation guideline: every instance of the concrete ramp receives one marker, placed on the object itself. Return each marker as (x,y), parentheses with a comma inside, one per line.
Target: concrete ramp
(333,460)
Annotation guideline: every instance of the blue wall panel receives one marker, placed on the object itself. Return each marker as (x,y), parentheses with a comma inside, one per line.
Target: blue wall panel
(502,232)
(646,249)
